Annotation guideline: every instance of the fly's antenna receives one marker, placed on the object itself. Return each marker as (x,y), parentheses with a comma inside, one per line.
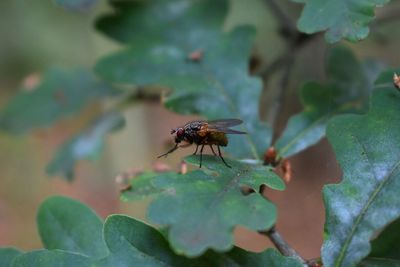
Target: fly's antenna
(173,131)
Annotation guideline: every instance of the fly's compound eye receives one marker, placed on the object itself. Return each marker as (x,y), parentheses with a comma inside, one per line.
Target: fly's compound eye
(180,133)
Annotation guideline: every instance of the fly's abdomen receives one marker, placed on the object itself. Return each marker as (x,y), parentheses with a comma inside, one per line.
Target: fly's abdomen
(217,138)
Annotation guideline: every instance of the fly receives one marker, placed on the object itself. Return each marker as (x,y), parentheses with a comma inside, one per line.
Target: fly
(202,133)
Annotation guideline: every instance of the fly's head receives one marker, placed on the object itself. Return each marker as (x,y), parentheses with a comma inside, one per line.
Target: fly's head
(179,134)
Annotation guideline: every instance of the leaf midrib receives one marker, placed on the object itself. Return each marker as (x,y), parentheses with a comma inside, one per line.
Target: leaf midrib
(76,245)
(142,253)
(365,208)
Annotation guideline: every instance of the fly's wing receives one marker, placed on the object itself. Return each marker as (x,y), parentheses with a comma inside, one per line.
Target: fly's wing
(230,131)
(224,123)
(222,126)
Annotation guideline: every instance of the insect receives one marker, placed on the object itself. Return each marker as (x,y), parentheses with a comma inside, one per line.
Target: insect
(202,133)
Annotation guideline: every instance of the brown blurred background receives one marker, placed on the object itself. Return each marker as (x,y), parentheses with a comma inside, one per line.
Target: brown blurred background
(37,34)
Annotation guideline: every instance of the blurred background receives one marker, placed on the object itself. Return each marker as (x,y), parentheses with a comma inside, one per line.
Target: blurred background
(37,35)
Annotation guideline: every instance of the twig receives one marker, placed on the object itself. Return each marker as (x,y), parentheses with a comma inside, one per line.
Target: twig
(281,94)
(287,26)
(282,245)
(274,66)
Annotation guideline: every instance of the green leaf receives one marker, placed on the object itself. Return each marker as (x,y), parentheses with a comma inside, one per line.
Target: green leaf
(347,19)
(141,187)
(7,255)
(347,90)
(387,245)
(367,149)
(217,86)
(217,204)
(69,225)
(85,145)
(53,258)
(133,243)
(61,93)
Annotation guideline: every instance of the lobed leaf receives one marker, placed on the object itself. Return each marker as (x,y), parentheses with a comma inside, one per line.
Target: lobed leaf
(60,93)
(366,200)
(217,203)
(347,19)
(215,85)
(85,145)
(349,85)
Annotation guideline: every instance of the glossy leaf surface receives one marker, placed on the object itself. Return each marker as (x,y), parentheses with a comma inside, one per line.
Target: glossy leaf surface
(366,147)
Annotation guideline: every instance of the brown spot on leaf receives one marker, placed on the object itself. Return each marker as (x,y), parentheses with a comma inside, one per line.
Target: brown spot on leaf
(123,179)
(196,55)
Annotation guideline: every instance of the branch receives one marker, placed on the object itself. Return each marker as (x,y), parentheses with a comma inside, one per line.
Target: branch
(282,245)
(287,26)
(282,87)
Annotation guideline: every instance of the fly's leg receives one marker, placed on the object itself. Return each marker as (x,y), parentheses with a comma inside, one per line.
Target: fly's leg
(220,155)
(201,155)
(169,151)
(195,152)
(212,149)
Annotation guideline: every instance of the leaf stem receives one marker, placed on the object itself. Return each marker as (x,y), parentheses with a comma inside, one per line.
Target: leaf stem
(287,26)
(282,245)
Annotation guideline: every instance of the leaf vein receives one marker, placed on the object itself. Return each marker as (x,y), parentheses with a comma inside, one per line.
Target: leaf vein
(365,207)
